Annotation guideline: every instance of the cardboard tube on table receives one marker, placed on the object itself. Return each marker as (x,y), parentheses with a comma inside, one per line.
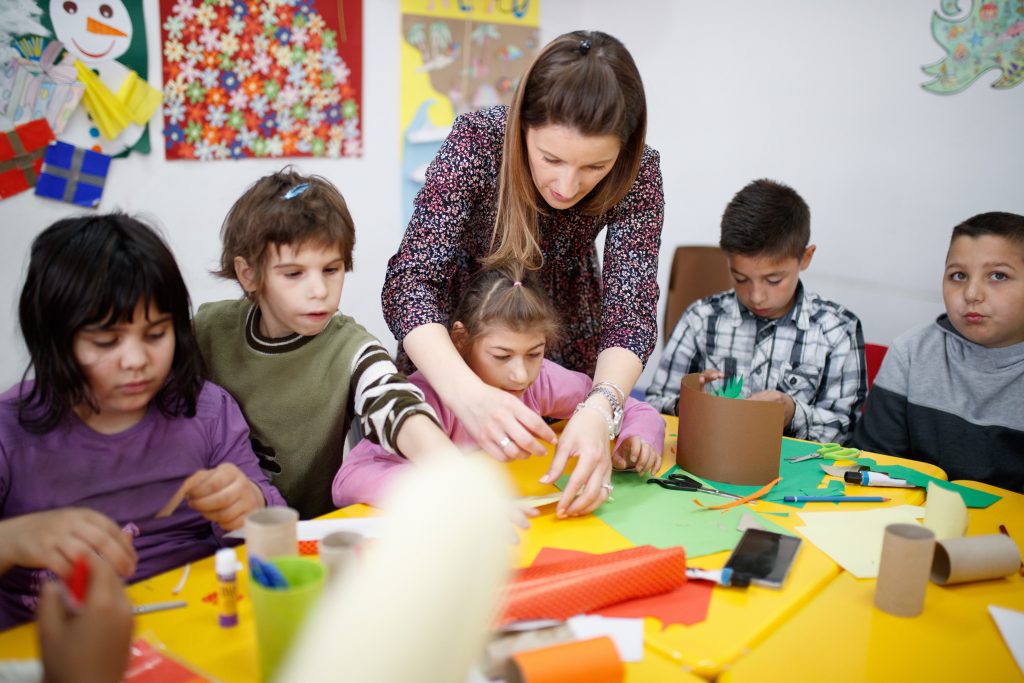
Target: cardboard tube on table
(974,558)
(595,661)
(272,532)
(907,551)
(728,440)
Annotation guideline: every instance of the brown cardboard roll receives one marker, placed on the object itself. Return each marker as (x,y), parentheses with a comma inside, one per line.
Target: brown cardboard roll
(974,558)
(907,551)
(728,440)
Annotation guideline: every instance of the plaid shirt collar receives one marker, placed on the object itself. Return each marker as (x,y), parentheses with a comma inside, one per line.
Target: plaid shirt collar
(798,314)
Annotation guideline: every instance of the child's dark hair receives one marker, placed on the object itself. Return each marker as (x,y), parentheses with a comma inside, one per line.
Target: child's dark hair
(94,270)
(997,223)
(506,296)
(285,208)
(766,218)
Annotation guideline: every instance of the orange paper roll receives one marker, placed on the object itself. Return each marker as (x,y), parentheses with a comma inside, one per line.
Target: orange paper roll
(594,661)
(563,589)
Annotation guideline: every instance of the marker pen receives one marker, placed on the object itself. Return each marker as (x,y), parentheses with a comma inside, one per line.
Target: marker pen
(226,565)
(876,479)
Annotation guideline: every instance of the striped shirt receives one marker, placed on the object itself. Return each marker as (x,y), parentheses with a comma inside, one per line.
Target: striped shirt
(814,354)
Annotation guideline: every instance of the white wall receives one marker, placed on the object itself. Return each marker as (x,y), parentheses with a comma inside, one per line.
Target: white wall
(825,96)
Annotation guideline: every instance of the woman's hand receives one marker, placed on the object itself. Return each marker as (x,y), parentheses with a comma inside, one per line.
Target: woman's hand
(586,438)
(223,495)
(500,423)
(53,539)
(636,454)
(91,644)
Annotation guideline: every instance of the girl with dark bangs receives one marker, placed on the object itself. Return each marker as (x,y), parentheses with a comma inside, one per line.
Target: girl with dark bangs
(117,419)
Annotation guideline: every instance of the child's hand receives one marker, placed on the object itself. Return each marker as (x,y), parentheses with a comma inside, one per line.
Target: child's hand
(224,495)
(586,437)
(636,454)
(778,397)
(92,644)
(53,539)
(521,515)
(710,376)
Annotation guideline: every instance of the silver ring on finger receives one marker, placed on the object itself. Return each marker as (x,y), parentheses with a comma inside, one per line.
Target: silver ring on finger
(505,442)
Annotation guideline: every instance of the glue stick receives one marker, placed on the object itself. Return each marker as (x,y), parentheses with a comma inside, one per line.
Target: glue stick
(226,565)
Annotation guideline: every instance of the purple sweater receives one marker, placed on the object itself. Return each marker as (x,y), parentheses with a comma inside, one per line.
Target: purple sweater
(127,476)
(368,468)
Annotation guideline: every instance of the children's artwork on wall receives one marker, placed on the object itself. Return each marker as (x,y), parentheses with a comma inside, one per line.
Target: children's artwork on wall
(989,37)
(457,57)
(73,174)
(42,85)
(108,40)
(262,78)
(21,156)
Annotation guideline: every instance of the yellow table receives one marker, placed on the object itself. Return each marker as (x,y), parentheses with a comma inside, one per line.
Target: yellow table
(840,636)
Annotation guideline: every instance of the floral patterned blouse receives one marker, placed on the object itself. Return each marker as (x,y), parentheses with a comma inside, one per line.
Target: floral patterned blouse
(451,229)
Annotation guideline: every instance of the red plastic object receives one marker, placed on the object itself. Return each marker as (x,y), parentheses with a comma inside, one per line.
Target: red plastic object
(873,355)
(78,581)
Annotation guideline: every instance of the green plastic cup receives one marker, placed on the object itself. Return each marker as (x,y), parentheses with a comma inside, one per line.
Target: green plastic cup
(279,612)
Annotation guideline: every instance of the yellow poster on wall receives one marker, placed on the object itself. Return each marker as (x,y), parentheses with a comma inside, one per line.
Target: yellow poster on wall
(457,56)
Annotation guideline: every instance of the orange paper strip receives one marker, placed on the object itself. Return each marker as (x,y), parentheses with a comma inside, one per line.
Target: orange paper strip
(745,499)
(595,661)
(584,584)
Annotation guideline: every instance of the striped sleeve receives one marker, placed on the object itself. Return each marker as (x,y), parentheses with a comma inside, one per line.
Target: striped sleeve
(383,397)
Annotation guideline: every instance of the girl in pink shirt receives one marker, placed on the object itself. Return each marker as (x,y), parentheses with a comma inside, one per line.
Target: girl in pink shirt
(501,328)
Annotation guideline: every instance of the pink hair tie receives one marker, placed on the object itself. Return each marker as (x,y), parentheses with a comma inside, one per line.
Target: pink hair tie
(517,283)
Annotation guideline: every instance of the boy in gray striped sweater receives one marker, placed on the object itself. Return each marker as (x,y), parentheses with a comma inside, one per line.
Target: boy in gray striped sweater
(299,369)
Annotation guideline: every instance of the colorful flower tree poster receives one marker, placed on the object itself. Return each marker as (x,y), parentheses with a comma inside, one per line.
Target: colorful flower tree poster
(262,78)
(989,37)
(457,56)
(109,38)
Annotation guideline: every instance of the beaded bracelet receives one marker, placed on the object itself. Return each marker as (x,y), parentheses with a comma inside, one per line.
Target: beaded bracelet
(613,430)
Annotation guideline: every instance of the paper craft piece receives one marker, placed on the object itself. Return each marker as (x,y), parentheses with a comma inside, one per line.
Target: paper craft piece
(650,515)
(315,529)
(148,664)
(73,174)
(837,471)
(974,558)
(109,115)
(507,642)
(587,583)
(903,572)
(21,156)
(731,441)
(175,500)
(686,605)
(973,498)
(745,499)
(539,501)
(945,512)
(627,634)
(43,88)
(748,521)
(854,539)
(1011,627)
(139,99)
(594,661)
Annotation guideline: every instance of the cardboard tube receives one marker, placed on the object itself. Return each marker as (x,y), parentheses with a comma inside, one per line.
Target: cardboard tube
(974,558)
(728,440)
(595,661)
(907,551)
(272,532)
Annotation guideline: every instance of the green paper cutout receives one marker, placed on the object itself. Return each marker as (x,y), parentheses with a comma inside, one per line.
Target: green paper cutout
(732,388)
(973,498)
(647,514)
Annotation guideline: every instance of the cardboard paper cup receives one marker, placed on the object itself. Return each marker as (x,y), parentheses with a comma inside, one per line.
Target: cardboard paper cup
(280,612)
(338,551)
(271,532)
(907,551)
(974,558)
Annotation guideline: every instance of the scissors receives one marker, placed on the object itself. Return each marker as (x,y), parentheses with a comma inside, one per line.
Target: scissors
(829,451)
(681,482)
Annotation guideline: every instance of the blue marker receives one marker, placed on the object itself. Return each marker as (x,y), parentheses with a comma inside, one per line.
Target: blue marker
(266,574)
(835,499)
(876,479)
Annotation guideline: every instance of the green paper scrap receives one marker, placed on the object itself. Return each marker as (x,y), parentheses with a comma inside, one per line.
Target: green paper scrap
(973,498)
(732,388)
(647,514)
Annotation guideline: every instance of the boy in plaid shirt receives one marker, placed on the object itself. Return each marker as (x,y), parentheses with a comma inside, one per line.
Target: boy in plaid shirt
(791,346)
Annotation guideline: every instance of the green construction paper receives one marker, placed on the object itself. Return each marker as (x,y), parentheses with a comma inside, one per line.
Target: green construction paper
(647,514)
(973,498)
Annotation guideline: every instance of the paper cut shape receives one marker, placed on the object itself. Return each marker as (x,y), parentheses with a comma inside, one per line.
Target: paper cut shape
(43,88)
(107,113)
(149,664)
(595,660)
(587,583)
(139,99)
(72,174)
(854,539)
(1011,627)
(903,570)
(21,156)
(945,512)
(973,498)
(735,442)
(627,634)
(989,36)
(974,558)
(686,605)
